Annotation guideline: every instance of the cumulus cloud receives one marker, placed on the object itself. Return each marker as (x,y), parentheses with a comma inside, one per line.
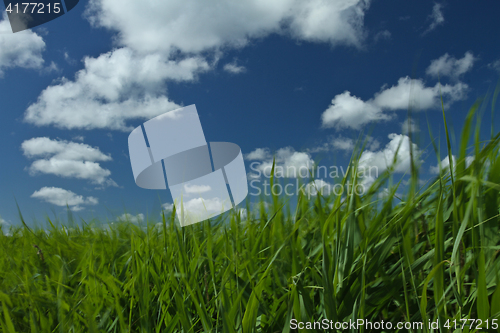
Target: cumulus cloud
(351,111)
(436,18)
(182,25)
(67,159)
(289,163)
(348,111)
(61,197)
(398,97)
(23,49)
(383,159)
(113,88)
(450,66)
(61,149)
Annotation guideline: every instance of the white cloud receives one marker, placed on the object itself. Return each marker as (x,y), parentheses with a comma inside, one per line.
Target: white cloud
(203,207)
(23,49)
(258,154)
(289,164)
(343,143)
(383,159)
(398,97)
(445,164)
(73,169)
(351,111)
(61,197)
(450,66)
(436,17)
(197,189)
(151,26)
(234,68)
(113,88)
(131,218)
(67,159)
(61,149)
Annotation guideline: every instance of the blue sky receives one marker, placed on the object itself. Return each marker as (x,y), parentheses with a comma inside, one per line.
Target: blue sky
(299,79)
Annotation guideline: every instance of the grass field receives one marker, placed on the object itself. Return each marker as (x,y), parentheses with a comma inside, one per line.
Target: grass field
(429,255)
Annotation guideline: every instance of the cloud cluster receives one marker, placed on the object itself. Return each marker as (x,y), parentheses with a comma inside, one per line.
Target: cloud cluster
(347,111)
(165,41)
(183,25)
(67,159)
(23,49)
(113,88)
(61,197)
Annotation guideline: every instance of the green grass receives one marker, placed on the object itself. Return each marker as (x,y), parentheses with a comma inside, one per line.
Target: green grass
(431,255)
